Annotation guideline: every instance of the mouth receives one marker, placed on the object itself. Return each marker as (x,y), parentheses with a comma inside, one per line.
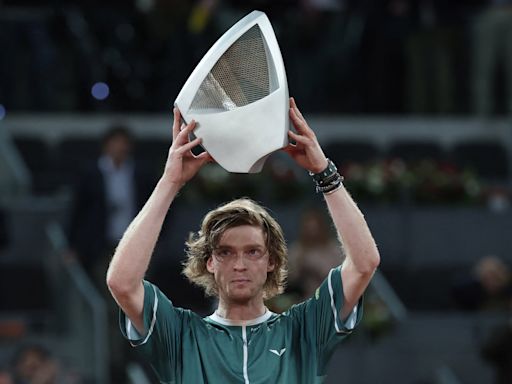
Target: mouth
(240,281)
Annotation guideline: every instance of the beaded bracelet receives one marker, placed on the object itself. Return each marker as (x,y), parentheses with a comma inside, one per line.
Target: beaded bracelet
(329,180)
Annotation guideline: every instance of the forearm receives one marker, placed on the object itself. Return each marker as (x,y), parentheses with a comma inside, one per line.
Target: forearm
(362,257)
(133,254)
(358,243)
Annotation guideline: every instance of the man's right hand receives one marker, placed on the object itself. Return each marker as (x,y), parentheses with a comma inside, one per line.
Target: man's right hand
(182,164)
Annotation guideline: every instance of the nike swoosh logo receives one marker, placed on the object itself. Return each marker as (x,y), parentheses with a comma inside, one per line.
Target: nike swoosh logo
(280,353)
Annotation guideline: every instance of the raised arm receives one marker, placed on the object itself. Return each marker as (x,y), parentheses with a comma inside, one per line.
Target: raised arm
(132,256)
(362,256)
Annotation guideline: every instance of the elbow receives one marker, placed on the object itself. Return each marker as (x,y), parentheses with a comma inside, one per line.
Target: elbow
(375,260)
(118,286)
(113,283)
(370,266)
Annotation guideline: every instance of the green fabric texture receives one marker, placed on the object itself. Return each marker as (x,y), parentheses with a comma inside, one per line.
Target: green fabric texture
(292,347)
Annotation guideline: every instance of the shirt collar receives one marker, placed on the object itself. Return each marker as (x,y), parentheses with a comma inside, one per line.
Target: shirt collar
(258,320)
(106,164)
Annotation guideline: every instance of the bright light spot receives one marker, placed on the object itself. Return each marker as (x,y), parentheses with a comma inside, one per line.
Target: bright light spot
(100,91)
(2,111)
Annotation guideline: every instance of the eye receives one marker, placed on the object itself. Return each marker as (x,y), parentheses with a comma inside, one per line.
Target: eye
(255,252)
(223,253)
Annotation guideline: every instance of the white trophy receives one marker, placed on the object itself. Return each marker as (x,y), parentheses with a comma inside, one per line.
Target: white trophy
(238,96)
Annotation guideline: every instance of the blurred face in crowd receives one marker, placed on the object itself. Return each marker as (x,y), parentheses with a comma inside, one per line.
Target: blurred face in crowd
(5,378)
(29,364)
(314,230)
(493,274)
(118,148)
(35,366)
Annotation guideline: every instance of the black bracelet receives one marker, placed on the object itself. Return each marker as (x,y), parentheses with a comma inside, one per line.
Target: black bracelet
(333,189)
(336,184)
(329,180)
(326,173)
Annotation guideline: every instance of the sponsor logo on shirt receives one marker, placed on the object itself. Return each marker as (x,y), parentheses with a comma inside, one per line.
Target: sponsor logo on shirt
(278,353)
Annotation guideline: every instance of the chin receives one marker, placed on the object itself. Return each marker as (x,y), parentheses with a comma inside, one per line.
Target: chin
(239,295)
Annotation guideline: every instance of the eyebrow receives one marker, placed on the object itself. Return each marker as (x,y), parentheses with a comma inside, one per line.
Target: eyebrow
(227,246)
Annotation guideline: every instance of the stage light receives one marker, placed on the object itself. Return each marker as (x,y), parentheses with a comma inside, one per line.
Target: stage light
(100,91)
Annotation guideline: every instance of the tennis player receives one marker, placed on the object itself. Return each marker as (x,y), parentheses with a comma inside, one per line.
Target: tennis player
(239,255)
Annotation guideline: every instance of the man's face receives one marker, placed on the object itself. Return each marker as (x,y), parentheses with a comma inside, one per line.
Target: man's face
(240,263)
(118,148)
(30,364)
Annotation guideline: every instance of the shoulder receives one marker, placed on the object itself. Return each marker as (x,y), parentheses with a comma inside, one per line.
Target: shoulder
(158,308)
(295,313)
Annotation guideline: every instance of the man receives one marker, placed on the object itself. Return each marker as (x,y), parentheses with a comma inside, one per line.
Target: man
(239,255)
(34,364)
(107,197)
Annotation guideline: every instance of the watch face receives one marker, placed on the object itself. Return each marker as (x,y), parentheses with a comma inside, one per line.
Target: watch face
(238,95)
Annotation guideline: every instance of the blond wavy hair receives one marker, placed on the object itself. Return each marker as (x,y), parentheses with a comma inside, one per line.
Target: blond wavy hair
(242,211)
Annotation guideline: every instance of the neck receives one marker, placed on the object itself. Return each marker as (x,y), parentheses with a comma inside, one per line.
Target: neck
(240,312)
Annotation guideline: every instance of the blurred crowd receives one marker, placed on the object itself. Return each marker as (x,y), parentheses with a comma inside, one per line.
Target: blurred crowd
(372,56)
(36,364)
(488,287)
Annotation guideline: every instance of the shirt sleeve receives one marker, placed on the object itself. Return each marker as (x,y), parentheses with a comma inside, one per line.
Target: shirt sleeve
(326,307)
(319,317)
(162,323)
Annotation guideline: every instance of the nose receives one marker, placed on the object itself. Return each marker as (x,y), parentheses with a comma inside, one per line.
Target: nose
(239,262)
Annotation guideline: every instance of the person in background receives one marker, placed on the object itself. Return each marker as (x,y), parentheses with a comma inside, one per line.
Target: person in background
(34,364)
(492,50)
(6,376)
(497,350)
(106,199)
(315,252)
(488,287)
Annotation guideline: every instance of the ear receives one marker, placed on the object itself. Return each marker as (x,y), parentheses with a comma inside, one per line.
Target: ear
(209,265)
(271,264)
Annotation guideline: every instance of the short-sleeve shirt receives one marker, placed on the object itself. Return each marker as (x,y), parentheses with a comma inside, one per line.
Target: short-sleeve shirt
(292,347)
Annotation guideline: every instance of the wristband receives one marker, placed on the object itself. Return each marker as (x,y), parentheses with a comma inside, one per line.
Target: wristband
(329,180)
(329,171)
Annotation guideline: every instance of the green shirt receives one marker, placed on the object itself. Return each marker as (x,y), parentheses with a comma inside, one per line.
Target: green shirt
(292,347)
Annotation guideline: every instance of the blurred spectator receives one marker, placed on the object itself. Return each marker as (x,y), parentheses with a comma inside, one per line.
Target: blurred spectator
(6,376)
(489,286)
(497,349)
(431,53)
(34,364)
(106,199)
(313,254)
(492,51)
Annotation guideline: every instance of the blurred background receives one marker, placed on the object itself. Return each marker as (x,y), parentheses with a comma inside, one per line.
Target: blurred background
(412,99)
